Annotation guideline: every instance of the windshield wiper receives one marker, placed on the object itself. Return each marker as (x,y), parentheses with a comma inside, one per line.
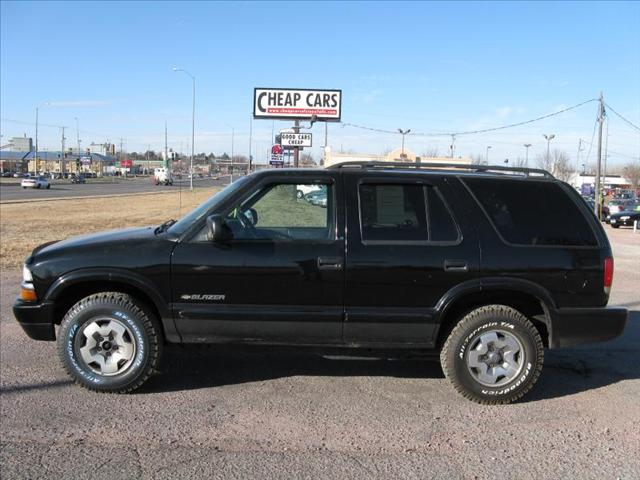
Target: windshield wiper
(164,226)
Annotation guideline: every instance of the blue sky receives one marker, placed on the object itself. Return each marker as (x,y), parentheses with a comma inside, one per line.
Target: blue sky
(431,67)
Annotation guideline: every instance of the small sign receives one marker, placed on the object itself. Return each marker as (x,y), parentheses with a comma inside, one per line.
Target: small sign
(295,139)
(276,149)
(85,160)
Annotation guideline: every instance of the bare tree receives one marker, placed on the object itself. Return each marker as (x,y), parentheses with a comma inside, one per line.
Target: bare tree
(632,173)
(519,162)
(430,152)
(557,164)
(306,160)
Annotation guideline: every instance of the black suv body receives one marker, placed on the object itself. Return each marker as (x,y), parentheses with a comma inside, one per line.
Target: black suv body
(468,261)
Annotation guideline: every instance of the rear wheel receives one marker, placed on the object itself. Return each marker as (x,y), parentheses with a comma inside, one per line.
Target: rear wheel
(615,226)
(48,186)
(494,355)
(108,342)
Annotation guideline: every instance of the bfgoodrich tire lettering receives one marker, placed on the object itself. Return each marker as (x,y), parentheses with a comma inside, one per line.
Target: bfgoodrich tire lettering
(114,311)
(464,348)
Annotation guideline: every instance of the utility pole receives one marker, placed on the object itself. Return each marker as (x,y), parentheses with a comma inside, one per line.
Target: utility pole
(296,150)
(148,163)
(453,144)
(486,157)
(35,155)
(578,156)
(526,155)
(250,134)
(601,114)
(166,151)
(78,134)
(62,152)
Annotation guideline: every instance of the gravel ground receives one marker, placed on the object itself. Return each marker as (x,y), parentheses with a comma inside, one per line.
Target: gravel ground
(218,413)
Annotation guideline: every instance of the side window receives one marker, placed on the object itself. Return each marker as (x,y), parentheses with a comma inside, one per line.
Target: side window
(285,212)
(404,213)
(528,212)
(393,213)
(442,227)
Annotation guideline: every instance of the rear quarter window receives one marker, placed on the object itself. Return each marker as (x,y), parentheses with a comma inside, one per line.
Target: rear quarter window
(530,212)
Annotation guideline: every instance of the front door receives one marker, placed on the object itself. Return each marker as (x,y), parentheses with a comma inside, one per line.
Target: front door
(278,279)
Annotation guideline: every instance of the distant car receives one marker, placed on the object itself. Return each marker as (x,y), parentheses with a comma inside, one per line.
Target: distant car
(7,174)
(619,206)
(17,175)
(303,190)
(317,198)
(78,179)
(35,182)
(624,219)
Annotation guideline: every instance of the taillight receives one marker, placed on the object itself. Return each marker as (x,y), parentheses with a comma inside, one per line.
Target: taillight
(620,208)
(608,274)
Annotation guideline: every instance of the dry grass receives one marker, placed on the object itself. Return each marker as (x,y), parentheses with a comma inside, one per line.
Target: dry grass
(24,226)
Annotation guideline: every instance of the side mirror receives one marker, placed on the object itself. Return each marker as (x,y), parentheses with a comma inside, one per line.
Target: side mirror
(218,229)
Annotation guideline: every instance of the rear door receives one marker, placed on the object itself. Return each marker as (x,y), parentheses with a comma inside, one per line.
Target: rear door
(406,248)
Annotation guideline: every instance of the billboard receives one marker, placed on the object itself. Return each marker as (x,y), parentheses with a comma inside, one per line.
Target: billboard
(289,139)
(297,104)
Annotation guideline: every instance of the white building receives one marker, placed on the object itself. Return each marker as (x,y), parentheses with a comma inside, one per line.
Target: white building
(331,158)
(577,180)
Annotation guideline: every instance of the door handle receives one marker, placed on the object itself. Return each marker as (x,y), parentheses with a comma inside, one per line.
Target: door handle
(329,263)
(455,266)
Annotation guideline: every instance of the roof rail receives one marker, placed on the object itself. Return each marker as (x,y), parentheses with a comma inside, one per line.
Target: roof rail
(450,166)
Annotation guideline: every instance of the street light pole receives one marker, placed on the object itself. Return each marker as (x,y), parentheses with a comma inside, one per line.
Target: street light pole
(403,133)
(526,155)
(193,124)
(35,157)
(487,155)
(549,138)
(233,132)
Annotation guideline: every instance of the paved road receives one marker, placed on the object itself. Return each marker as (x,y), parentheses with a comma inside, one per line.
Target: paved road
(217,413)
(61,189)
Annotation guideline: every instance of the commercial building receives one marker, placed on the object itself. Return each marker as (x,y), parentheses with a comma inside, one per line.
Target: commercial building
(397,155)
(21,144)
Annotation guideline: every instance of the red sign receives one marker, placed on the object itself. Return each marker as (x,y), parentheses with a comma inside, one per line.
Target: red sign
(126,163)
(276,149)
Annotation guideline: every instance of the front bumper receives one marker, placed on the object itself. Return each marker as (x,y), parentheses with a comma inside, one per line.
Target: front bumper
(36,319)
(575,326)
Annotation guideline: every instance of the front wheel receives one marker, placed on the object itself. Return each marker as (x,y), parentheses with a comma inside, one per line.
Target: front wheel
(48,187)
(494,355)
(108,342)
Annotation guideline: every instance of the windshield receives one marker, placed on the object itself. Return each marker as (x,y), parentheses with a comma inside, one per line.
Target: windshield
(200,211)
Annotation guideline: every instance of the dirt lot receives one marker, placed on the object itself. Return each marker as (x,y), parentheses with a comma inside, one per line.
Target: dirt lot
(24,226)
(220,413)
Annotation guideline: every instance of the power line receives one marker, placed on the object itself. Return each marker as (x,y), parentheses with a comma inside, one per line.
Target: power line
(470,132)
(593,134)
(629,122)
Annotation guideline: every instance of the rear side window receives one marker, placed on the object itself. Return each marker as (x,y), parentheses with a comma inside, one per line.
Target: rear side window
(404,213)
(532,212)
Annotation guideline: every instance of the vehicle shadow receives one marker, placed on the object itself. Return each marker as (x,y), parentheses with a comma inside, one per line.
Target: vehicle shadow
(566,371)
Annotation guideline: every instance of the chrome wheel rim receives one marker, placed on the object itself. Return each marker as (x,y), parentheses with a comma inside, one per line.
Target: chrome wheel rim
(495,358)
(106,346)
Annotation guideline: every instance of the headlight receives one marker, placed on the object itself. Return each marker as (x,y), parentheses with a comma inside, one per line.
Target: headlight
(26,274)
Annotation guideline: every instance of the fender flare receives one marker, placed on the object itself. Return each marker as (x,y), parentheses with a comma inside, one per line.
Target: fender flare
(488,284)
(122,276)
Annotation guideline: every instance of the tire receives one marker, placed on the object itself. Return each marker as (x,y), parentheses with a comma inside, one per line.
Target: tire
(48,186)
(299,194)
(615,226)
(471,337)
(125,334)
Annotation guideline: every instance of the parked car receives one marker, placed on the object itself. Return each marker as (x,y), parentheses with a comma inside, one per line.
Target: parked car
(618,206)
(624,219)
(303,190)
(78,179)
(18,175)
(35,182)
(7,174)
(317,197)
(451,260)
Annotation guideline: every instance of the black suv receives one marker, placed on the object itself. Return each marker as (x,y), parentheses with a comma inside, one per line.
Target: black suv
(485,265)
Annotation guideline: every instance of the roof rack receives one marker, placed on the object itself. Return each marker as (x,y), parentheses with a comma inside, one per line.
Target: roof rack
(528,172)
